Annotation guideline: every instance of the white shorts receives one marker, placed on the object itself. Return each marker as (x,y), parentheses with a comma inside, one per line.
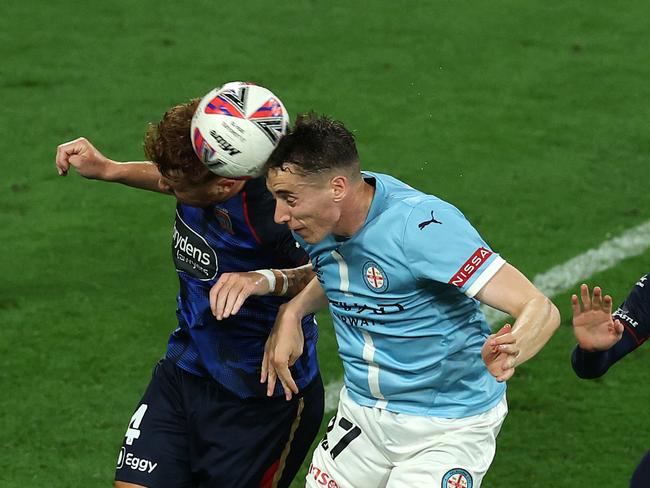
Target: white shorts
(373,448)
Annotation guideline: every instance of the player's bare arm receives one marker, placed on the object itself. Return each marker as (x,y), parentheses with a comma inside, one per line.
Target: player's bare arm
(232,289)
(593,325)
(537,318)
(81,155)
(285,343)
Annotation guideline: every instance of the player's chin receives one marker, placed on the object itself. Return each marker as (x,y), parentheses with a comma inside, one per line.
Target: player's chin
(301,231)
(309,236)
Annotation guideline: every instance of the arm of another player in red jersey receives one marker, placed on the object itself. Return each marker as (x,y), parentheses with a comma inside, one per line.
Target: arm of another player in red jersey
(537,318)
(92,164)
(285,343)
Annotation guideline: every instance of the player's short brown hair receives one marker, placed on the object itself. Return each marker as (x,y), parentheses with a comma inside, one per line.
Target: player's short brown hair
(316,144)
(168,143)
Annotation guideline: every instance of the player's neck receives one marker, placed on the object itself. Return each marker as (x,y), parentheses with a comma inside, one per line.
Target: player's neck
(355,208)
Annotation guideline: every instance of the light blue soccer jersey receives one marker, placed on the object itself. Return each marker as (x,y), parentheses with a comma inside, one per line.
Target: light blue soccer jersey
(401,293)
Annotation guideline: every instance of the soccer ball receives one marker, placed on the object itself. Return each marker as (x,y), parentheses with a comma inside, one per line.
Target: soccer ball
(236,127)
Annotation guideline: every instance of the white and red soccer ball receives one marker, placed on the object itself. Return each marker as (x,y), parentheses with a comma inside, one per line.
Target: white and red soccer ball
(236,127)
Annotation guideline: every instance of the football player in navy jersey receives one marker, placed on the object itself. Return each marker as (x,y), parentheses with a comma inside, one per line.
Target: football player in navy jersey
(205,419)
(605,337)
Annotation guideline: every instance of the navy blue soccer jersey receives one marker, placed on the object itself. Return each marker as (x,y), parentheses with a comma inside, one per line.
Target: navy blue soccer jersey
(233,236)
(634,314)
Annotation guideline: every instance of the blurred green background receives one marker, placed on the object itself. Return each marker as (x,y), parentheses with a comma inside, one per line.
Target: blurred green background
(531,117)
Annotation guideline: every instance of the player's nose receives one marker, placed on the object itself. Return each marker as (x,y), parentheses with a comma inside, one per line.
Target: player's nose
(281,214)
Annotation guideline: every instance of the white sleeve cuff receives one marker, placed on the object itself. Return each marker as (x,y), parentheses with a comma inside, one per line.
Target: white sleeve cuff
(485,276)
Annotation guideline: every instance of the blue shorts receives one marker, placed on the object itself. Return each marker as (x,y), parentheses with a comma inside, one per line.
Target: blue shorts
(189,431)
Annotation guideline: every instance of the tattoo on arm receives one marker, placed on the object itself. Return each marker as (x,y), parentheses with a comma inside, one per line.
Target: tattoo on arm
(297,279)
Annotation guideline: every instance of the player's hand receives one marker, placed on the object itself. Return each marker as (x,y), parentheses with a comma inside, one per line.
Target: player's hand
(282,349)
(593,325)
(84,157)
(500,353)
(232,289)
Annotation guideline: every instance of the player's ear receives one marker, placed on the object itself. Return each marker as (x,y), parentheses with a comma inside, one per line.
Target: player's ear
(339,187)
(224,185)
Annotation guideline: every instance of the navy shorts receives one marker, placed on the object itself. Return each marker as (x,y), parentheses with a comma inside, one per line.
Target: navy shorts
(641,476)
(189,431)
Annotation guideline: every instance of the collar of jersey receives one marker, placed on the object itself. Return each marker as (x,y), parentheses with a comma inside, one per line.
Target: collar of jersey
(376,206)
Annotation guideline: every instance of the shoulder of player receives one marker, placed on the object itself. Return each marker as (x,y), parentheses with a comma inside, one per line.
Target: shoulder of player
(424,210)
(402,197)
(259,207)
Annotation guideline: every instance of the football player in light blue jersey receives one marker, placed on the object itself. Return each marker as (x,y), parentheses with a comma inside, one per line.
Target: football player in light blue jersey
(402,273)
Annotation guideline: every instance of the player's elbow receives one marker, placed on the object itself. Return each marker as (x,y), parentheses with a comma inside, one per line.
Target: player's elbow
(545,310)
(554,315)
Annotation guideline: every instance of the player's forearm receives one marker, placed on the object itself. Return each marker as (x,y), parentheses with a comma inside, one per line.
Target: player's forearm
(141,174)
(290,282)
(534,326)
(310,300)
(589,365)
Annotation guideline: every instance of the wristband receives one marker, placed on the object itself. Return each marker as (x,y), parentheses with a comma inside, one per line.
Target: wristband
(270,278)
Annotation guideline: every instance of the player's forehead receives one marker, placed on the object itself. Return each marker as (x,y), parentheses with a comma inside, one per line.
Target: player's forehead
(280,181)
(287,180)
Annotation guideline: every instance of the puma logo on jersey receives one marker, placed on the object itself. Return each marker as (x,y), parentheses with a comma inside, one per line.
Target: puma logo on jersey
(433,220)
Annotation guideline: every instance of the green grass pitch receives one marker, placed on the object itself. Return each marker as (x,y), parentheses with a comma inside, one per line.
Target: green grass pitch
(531,117)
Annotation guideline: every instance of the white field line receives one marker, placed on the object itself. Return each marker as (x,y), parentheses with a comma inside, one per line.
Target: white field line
(558,279)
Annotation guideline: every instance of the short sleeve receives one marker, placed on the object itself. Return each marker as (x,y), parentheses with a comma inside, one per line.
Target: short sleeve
(441,245)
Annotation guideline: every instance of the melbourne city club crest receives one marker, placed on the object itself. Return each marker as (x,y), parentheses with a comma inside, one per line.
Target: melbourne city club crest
(457,478)
(374,277)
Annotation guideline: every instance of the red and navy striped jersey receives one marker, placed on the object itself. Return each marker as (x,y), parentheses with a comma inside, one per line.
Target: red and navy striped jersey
(634,314)
(236,235)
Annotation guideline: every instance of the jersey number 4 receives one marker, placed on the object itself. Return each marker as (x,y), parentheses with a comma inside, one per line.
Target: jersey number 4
(351,433)
(133,432)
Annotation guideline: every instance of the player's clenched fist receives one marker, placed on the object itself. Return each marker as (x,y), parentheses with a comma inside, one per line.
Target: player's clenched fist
(500,353)
(84,157)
